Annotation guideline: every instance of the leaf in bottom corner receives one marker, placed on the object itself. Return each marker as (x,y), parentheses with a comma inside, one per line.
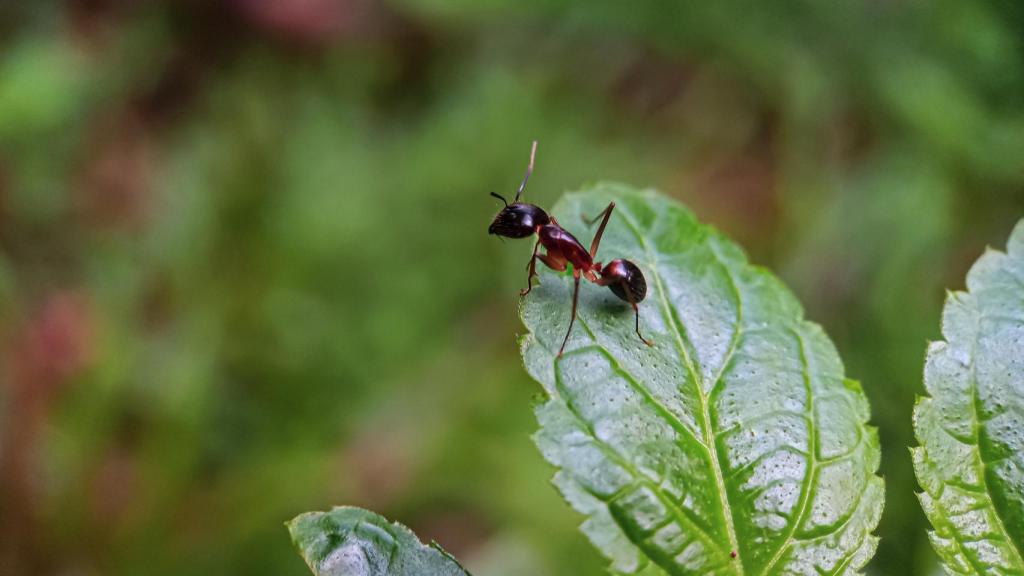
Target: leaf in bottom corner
(355,542)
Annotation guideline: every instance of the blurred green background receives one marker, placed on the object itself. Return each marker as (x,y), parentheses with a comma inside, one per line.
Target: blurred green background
(244,268)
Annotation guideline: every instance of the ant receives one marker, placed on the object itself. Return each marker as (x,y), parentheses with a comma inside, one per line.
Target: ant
(521,220)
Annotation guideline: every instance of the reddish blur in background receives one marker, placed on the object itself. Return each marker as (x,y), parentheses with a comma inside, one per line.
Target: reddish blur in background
(244,268)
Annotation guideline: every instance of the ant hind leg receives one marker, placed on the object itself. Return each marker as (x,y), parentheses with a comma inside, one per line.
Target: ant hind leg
(636,311)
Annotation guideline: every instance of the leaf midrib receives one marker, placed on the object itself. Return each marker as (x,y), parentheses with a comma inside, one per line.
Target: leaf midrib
(698,379)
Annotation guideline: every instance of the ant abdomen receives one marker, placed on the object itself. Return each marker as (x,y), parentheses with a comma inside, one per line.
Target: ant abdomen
(622,275)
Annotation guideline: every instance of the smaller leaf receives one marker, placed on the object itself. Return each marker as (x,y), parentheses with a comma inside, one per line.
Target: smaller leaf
(351,541)
(970,427)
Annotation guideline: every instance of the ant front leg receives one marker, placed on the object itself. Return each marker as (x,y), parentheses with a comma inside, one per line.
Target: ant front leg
(532,268)
(555,261)
(607,213)
(575,299)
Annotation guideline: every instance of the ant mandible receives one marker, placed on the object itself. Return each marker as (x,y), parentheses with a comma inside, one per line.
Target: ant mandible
(522,220)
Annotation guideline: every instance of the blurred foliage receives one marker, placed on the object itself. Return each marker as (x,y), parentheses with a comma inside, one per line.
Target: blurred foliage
(244,274)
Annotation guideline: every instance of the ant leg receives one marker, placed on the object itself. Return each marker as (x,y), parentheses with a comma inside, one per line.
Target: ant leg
(636,311)
(532,267)
(572,320)
(590,221)
(529,170)
(607,213)
(553,261)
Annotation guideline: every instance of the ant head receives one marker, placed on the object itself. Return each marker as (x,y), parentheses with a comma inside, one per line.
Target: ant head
(624,274)
(517,220)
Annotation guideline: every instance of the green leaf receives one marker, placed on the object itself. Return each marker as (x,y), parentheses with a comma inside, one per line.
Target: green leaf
(736,432)
(970,461)
(354,542)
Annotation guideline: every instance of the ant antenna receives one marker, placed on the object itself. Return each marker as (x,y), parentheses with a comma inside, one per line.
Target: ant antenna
(529,170)
(500,197)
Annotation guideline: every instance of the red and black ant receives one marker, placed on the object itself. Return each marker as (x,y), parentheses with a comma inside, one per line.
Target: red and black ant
(521,220)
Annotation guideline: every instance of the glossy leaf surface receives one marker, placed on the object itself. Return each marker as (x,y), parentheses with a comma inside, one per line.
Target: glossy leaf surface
(355,542)
(970,461)
(734,445)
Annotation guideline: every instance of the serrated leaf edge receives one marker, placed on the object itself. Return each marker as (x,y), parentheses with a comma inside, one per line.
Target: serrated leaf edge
(944,537)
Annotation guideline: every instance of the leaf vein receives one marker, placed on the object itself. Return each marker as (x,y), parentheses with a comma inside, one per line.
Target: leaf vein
(634,383)
(807,487)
